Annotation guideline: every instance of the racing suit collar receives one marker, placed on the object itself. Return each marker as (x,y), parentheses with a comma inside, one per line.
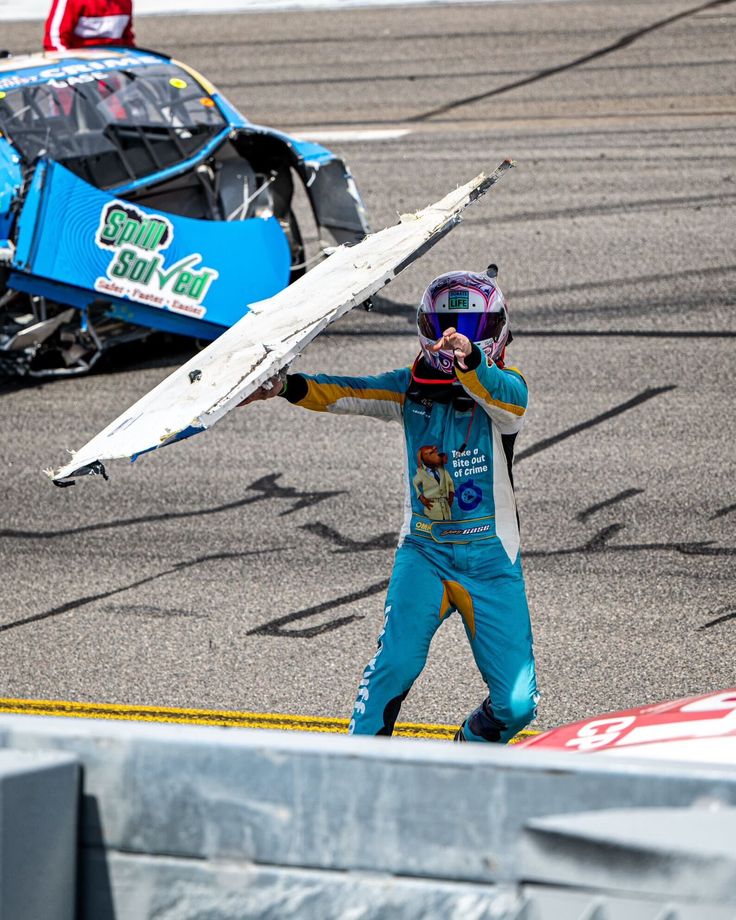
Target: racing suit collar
(429,384)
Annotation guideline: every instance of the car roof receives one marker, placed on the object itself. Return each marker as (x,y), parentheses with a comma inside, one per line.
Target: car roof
(41,67)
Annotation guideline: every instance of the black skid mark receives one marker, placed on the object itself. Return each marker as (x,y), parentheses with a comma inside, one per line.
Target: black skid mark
(632,281)
(388,331)
(731,615)
(703,548)
(277,627)
(103,595)
(346,544)
(627,333)
(149,610)
(628,39)
(600,543)
(599,209)
(621,496)
(126,522)
(637,400)
(722,512)
(267,487)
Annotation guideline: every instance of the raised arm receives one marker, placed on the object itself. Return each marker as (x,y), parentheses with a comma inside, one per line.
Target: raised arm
(502,393)
(380,396)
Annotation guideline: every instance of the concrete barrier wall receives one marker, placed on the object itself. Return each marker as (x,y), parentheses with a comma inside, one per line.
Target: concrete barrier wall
(179,889)
(164,888)
(178,821)
(39,796)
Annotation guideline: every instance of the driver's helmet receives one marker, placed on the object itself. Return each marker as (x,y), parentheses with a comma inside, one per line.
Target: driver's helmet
(470,302)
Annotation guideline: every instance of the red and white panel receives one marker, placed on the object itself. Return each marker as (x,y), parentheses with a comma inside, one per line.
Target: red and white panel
(701,728)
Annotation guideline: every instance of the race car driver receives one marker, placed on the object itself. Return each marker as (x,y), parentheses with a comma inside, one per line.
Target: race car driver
(88,23)
(461,410)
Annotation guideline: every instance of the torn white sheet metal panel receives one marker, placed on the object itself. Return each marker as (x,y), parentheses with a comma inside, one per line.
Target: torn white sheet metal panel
(271,335)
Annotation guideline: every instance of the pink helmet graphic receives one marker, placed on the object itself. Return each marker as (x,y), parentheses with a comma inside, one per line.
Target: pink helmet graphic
(470,302)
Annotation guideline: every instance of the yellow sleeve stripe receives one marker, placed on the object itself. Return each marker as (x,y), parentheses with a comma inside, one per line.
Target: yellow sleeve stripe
(470,380)
(321,395)
(516,371)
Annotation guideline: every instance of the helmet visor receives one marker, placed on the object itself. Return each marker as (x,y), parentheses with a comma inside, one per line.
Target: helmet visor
(478,327)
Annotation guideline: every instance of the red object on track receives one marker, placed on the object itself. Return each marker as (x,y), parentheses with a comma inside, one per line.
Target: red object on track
(698,728)
(88,23)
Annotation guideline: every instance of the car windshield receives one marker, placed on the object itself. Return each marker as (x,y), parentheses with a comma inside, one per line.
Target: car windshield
(115,126)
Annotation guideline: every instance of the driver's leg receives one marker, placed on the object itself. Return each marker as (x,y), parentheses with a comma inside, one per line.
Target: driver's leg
(411,617)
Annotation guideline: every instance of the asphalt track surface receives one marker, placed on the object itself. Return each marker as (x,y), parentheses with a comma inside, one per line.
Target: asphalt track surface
(244,569)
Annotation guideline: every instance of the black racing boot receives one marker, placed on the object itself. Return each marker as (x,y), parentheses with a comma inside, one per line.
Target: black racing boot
(483,724)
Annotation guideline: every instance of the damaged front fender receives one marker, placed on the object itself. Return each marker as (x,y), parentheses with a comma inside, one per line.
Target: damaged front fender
(336,203)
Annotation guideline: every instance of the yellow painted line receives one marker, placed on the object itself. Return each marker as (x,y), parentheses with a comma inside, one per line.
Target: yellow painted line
(219,717)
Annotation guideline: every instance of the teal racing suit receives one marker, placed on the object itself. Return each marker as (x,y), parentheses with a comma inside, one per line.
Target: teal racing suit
(459,543)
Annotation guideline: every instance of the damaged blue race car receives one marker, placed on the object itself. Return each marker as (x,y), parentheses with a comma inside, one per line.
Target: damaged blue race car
(135,198)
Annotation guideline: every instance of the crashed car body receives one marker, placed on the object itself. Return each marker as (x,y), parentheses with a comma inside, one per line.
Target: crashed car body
(134,197)
(700,729)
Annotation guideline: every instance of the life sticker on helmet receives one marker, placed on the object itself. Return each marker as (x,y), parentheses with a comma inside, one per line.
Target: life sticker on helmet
(458,300)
